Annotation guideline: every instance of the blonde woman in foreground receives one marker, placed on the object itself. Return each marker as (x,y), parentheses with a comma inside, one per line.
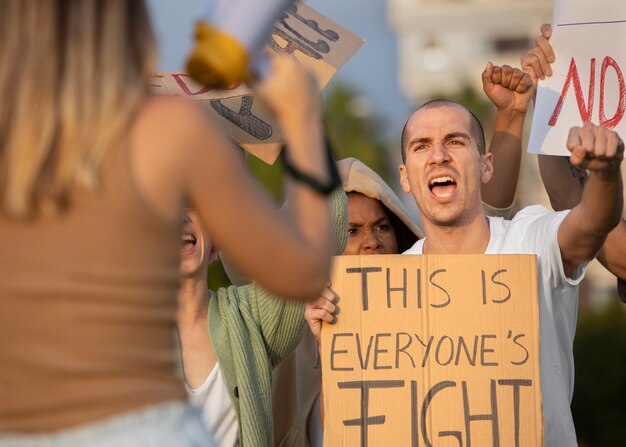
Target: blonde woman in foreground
(94,176)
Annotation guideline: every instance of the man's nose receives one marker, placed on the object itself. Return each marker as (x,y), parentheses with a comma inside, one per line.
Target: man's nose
(439,154)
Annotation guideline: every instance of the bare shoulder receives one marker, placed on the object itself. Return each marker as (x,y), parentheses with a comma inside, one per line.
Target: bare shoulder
(174,140)
(166,115)
(162,140)
(176,124)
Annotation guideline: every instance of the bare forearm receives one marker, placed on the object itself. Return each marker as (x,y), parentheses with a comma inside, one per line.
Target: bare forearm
(589,223)
(564,185)
(305,206)
(603,200)
(613,252)
(563,182)
(506,147)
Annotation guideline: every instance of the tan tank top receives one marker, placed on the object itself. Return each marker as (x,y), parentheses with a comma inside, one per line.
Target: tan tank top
(87,309)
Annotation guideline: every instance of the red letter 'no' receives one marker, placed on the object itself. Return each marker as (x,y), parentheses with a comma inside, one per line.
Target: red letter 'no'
(572,75)
(621,103)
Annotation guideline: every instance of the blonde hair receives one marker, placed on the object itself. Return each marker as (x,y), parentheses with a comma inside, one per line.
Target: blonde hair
(72,75)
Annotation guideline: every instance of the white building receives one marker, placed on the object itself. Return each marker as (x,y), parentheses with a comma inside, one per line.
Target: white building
(445,44)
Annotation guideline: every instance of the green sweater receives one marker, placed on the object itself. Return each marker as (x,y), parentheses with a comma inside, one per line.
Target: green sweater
(252,332)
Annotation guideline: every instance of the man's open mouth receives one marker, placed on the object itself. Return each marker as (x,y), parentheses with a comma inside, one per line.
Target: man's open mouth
(443,186)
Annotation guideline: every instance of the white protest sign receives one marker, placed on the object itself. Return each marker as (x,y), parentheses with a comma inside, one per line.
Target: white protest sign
(317,42)
(587,85)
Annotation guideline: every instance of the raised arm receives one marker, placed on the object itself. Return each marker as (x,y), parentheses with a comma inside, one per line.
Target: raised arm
(182,155)
(563,181)
(564,185)
(288,254)
(510,90)
(584,230)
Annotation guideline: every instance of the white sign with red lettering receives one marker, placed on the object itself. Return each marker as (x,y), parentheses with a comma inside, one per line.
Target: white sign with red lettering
(587,85)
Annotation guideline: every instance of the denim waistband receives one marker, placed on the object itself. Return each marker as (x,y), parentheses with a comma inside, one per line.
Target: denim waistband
(172,424)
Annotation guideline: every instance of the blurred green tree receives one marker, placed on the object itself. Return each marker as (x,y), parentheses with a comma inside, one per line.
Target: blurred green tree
(354,129)
(599,404)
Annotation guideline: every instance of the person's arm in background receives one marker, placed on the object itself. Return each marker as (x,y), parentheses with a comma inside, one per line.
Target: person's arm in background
(564,182)
(584,230)
(510,90)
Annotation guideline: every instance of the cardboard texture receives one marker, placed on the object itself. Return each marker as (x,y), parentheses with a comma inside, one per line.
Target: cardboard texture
(433,350)
(320,44)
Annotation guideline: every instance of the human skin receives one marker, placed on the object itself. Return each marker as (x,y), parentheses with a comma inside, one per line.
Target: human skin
(369,229)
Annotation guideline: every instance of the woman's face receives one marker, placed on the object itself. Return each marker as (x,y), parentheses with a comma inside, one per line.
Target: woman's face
(196,246)
(369,229)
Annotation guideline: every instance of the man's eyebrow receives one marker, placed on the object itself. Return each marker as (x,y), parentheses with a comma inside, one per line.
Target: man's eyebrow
(448,136)
(413,141)
(452,135)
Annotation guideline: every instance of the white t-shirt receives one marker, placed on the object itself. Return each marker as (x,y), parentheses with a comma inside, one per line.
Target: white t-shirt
(218,413)
(534,231)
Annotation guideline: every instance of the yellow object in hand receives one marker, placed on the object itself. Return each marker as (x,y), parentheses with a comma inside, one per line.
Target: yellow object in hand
(218,59)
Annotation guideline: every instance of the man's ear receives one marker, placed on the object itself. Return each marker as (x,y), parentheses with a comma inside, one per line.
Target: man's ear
(486,167)
(404,181)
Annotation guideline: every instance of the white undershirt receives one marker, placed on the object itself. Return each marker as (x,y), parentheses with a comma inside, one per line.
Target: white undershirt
(218,413)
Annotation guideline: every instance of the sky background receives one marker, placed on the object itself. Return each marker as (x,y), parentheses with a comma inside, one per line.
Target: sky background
(372,71)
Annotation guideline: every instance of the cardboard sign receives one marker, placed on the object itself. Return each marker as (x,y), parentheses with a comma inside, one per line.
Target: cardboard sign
(587,84)
(433,350)
(320,44)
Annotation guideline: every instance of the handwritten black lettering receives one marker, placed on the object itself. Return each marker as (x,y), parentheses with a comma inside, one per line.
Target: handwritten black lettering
(430,395)
(484,350)
(378,350)
(516,384)
(431,280)
(365,420)
(493,416)
(427,346)
(438,350)
(244,119)
(296,41)
(409,341)
(402,289)
(526,354)
(364,291)
(359,351)
(334,352)
(471,359)
(506,297)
